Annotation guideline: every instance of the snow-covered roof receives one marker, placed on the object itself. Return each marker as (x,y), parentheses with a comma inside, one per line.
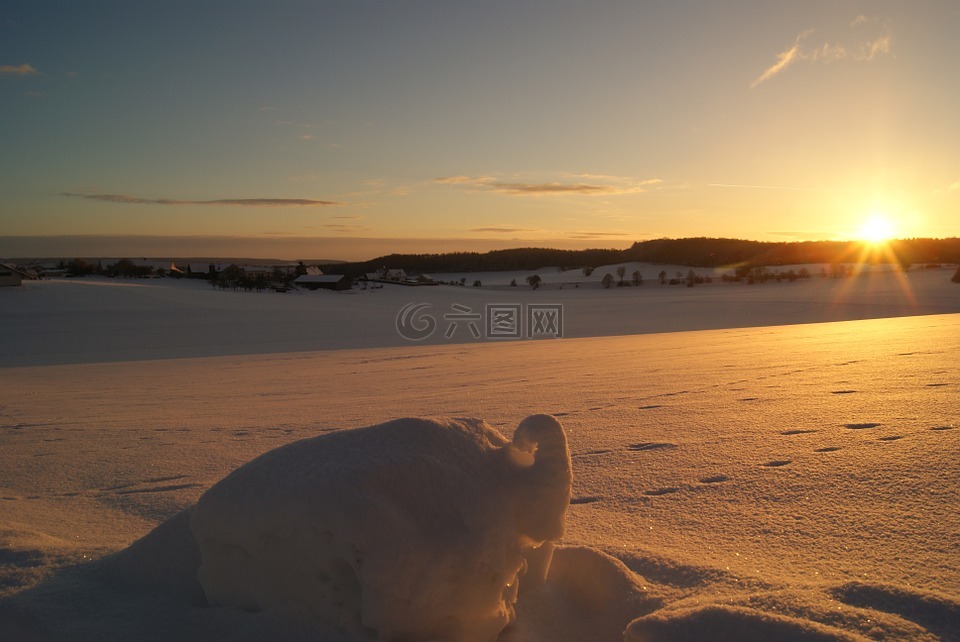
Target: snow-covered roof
(318,278)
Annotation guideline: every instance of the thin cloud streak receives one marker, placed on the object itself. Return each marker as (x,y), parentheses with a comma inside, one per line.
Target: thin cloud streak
(502,230)
(597,235)
(231,202)
(548,188)
(784,60)
(18,70)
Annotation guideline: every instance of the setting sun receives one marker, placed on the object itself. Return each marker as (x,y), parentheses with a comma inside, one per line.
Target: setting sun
(876,229)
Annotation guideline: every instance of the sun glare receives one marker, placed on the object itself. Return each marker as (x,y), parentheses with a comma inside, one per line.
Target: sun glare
(877,229)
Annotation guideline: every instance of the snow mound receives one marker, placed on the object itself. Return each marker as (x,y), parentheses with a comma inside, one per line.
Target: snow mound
(411,529)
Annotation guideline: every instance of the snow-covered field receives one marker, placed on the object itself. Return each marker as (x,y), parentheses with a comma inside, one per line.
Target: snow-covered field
(748,462)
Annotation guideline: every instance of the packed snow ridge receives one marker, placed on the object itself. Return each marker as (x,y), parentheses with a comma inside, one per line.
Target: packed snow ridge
(414,529)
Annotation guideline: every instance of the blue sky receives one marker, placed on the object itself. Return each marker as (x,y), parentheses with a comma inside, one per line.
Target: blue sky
(326,128)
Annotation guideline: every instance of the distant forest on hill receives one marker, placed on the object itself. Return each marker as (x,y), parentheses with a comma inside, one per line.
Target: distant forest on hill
(691,252)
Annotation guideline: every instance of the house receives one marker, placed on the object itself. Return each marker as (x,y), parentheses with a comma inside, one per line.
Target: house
(324,281)
(422,279)
(10,275)
(384,274)
(203,270)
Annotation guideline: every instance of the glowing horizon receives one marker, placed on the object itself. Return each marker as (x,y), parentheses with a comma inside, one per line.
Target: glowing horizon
(495,124)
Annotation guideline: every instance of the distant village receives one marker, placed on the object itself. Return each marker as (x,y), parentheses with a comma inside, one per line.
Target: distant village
(278,278)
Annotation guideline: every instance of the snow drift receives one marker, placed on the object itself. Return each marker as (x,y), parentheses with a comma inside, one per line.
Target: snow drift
(414,529)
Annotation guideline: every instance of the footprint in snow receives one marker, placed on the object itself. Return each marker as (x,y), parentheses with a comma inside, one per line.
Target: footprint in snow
(842,392)
(651,445)
(669,490)
(942,428)
(827,449)
(593,453)
(777,463)
(798,431)
(589,499)
(861,426)
(890,438)
(716,479)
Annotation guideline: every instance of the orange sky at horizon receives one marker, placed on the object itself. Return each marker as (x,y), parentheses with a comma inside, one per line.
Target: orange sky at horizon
(459,126)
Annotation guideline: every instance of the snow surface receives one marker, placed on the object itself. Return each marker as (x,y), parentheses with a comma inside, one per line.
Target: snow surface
(797,482)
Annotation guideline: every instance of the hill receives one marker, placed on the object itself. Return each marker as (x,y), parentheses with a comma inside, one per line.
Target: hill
(692,252)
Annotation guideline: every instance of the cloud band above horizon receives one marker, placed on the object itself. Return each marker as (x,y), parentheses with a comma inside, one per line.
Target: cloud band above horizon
(229,202)
(621,186)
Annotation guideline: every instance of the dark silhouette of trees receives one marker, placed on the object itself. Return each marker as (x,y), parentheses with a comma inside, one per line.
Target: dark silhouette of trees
(621,271)
(534,281)
(79,267)
(689,252)
(663,277)
(956,276)
(637,278)
(607,280)
(128,269)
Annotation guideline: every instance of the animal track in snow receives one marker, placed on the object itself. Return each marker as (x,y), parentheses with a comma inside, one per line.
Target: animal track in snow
(827,449)
(651,445)
(657,492)
(593,453)
(937,385)
(777,463)
(890,438)
(716,479)
(146,486)
(799,431)
(942,428)
(155,489)
(842,392)
(651,406)
(861,426)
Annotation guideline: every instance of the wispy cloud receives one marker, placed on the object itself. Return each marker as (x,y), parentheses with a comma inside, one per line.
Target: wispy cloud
(784,60)
(860,50)
(341,226)
(237,202)
(586,236)
(497,229)
(602,185)
(18,70)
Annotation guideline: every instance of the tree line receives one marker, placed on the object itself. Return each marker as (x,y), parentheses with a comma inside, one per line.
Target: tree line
(689,252)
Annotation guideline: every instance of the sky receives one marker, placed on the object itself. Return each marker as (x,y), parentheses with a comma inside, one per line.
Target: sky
(352,129)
